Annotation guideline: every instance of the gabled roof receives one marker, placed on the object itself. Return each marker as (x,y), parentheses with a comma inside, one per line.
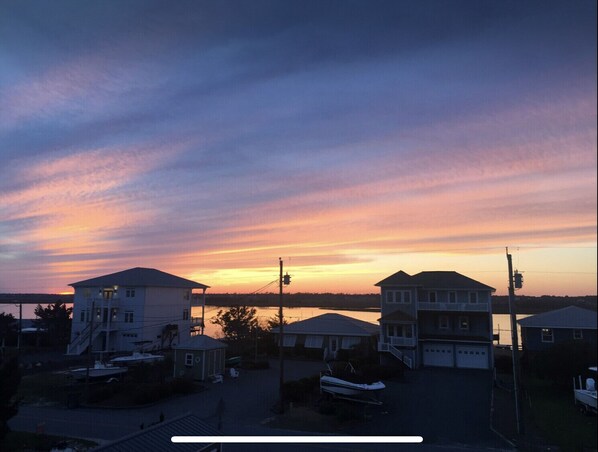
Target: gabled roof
(331,324)
(445,280)
(157,437)
(201,342)
(569,317)
(140,277)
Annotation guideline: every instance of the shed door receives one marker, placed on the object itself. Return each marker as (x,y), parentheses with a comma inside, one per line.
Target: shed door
(440,355)
(472,356)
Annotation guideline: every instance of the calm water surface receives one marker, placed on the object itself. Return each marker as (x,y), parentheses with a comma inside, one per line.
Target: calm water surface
(501,322)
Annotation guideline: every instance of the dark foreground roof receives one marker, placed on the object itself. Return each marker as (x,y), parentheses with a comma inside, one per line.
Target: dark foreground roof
(157,437)
(201,342)
(331,324)
(434,280)
(140,277)
(569,317)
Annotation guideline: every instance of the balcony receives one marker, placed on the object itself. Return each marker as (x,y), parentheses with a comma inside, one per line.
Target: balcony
(402,341)
(457,307)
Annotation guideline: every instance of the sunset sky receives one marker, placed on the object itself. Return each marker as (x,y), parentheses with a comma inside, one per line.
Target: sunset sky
(352,139)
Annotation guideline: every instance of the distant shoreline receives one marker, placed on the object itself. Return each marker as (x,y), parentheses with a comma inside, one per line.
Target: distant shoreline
(346,302)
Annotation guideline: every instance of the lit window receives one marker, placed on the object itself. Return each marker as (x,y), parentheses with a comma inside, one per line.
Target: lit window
(577,334)
(464,323)
(547,335)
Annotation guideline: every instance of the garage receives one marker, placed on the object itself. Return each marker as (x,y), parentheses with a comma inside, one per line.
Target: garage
(472,356)
(440,355)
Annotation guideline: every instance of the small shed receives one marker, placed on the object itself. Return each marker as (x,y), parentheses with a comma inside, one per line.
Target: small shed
(199,357)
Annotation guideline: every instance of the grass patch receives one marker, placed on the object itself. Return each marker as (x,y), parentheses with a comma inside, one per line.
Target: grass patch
(19,441)
(45,387)
(555,414)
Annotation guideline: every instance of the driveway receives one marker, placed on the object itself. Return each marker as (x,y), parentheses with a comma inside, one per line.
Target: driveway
(445,406)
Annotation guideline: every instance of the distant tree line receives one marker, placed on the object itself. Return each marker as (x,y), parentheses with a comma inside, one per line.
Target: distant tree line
(500,304)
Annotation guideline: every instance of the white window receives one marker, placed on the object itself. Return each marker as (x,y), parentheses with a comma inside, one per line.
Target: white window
(349,342)
(443,322)
(314,341)
(128,316)
(432,297)
(452,297)
(463,323)
(189,359)
(547,335)
(289,340)
(577,334)
(473,297)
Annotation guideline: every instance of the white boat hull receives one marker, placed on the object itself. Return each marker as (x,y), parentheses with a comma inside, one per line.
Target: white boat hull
(334,385)
(97,373)
(588,398)
(137,358)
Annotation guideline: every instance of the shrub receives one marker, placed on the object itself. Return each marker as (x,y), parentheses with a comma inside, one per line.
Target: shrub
(182,386)
(503,364)
(326,408)
(562,362)
(100,394)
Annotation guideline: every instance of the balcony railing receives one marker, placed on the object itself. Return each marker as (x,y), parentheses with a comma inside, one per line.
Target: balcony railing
(461,307)
(402,341)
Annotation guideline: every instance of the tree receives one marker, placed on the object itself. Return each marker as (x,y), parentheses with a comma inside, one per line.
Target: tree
(56,320)
(238,323)
(274,322)
(10,377)
(8,327)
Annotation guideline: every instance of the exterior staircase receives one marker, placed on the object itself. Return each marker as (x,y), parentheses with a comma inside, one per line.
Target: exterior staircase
(385,347)
(79,345)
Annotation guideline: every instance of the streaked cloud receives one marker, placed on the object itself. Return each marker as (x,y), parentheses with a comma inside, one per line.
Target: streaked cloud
(210,139)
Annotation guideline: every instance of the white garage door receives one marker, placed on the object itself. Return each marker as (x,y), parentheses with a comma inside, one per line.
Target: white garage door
(438,355)
(472,356)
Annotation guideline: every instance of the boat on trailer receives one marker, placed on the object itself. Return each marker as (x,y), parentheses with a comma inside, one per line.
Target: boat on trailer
(137,358)
(585,398)
(100,371)
(341,381)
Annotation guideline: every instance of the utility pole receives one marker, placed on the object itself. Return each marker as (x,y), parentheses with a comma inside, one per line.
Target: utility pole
(515,346)
(286,280)
(280,340)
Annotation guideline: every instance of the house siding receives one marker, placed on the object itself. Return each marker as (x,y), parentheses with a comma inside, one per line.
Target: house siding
(532,338)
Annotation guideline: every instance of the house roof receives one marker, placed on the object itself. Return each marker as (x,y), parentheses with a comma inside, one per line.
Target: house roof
(201,342)
(569,317)
(157,437)
(397,316)
(434,280)
(140,277)
(331,324)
